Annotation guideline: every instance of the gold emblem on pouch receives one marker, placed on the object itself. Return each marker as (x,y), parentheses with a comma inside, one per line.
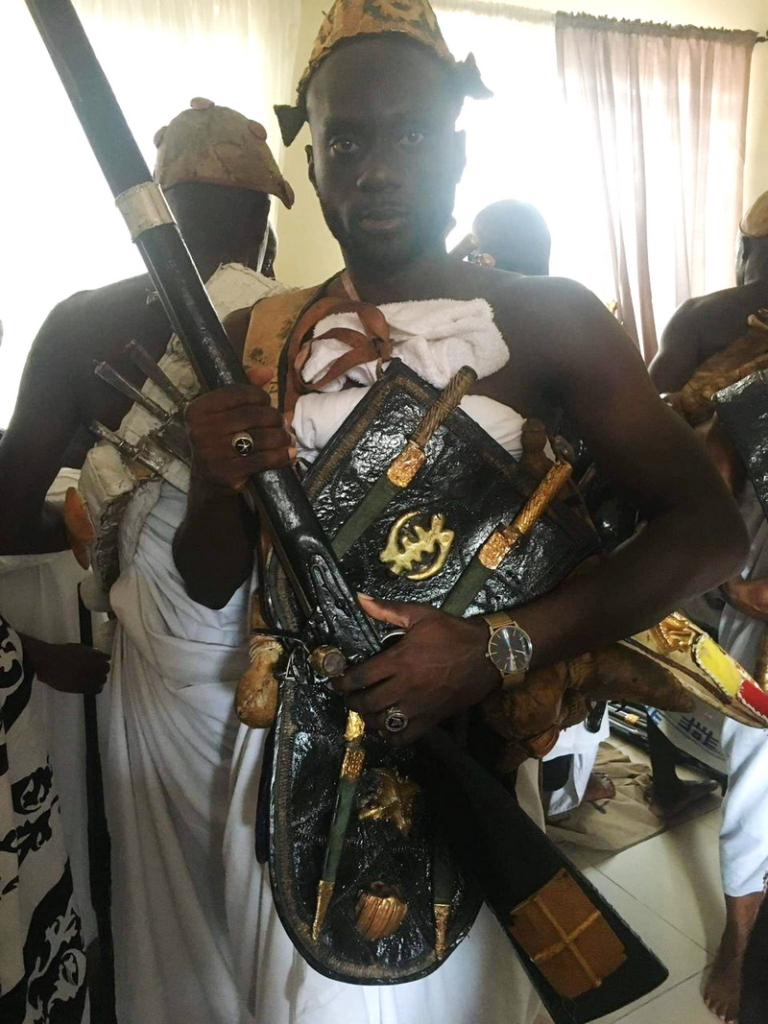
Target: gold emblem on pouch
(416,551)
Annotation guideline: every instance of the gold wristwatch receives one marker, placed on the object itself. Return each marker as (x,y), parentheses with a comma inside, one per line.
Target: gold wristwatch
(509,648)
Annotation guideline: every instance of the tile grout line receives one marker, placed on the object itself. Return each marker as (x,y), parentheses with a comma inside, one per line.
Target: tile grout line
(658,995)
(666,992)
(655,913)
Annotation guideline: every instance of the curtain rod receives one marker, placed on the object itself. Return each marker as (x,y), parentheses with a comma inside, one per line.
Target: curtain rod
(502,8)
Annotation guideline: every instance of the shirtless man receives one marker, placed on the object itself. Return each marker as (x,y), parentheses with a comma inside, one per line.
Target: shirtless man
(222,223)
(385,160)
(703,326)
(700,328)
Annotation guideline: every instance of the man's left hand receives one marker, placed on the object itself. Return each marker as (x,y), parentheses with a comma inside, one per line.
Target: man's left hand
(436,670)
(68,668)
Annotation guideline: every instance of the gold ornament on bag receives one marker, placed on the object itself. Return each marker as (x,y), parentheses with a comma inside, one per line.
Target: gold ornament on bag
(407,545)
(393,801)
(380,912)
(675,633)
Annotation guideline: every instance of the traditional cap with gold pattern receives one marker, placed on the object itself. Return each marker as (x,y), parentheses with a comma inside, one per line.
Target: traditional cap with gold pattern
(755,222)
(218,146)
(348,20)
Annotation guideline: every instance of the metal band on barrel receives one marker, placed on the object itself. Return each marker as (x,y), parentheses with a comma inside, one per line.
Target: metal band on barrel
(143,207)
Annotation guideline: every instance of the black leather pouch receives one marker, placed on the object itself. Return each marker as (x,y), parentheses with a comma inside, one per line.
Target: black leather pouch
(470,485)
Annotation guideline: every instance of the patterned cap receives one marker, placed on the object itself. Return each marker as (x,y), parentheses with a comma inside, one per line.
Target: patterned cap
(351,19)
(755,222)
(218,146)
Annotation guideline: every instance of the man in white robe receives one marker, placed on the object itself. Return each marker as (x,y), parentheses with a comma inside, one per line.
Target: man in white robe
(218,174)
(699,329)
(385,160)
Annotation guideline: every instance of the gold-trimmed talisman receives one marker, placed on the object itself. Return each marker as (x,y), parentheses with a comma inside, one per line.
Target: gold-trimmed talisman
(380,912)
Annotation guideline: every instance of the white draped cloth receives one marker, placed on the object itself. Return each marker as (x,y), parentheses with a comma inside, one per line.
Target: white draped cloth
(198,940)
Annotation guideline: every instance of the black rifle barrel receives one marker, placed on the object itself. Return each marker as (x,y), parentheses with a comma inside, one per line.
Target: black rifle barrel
(297,534)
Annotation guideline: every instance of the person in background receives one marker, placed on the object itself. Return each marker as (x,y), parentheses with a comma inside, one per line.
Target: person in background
(222,206)
(516,235)
(218,174)
(42,952)
(709,323)
(701,328)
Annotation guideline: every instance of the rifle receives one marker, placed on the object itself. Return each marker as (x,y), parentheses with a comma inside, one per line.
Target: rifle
(504,864)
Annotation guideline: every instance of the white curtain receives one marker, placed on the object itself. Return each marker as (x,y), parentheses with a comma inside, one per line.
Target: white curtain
(516,146)
(61,233)
(655,134)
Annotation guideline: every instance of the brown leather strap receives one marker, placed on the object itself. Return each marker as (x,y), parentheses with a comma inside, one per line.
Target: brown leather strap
(372,343)
(281,329)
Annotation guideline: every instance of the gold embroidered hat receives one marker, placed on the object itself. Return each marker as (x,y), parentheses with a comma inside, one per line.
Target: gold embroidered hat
(218,146)
(350,19)
(755,222)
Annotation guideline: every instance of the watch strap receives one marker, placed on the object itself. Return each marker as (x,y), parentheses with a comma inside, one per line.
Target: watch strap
(499,620)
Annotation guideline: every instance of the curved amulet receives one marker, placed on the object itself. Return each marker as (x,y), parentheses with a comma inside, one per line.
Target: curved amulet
(380,912)
(258,689)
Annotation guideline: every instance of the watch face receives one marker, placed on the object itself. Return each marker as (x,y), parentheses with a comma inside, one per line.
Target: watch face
(510,650)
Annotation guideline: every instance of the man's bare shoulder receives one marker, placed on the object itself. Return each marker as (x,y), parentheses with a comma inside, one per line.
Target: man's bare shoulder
(740,302)
(83,327)
(711,322)
(535,311)
(112,302)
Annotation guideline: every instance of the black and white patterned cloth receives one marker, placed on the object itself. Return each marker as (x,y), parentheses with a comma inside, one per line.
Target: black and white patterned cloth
(42,955)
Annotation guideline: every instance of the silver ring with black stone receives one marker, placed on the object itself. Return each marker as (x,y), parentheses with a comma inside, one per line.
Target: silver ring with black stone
(395,720)
(243,444)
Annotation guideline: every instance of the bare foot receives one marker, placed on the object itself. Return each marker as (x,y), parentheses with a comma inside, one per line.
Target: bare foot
(685,794)
(599,787)
(722,992)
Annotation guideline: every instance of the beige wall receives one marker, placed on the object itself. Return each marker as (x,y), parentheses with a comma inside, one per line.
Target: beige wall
(308,254)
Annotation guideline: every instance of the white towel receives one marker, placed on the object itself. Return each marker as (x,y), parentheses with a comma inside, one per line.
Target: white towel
(435,338)
(318,416)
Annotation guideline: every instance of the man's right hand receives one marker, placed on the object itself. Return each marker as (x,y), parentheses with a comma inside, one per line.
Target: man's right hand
(214,419)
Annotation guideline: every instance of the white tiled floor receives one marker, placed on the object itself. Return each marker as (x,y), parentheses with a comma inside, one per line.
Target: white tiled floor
(668,889)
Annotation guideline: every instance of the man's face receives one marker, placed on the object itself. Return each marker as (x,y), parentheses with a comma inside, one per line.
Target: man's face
(385,157)
(232,222)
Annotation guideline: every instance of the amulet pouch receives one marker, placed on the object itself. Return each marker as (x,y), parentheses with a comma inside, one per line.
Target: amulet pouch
(399,905)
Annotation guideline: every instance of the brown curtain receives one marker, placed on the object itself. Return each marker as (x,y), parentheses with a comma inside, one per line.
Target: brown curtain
(657,123)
